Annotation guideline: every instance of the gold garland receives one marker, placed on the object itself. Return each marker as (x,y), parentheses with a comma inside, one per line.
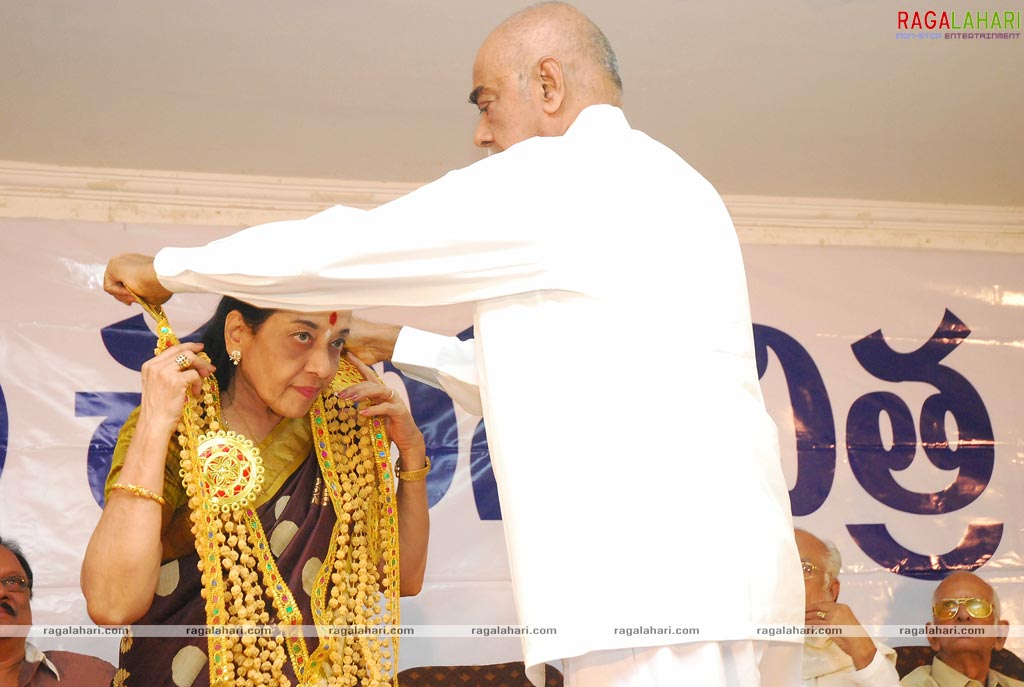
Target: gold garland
(222,474)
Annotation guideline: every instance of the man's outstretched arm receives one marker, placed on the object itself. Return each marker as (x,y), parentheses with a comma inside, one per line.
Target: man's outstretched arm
(135,272)
(443,362)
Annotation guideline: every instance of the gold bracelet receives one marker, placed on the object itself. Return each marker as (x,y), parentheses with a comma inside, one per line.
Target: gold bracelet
(139,491)
(413,475)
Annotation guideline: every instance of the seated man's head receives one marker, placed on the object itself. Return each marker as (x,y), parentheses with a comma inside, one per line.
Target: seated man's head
(821,562)
(15,586)
(964,599)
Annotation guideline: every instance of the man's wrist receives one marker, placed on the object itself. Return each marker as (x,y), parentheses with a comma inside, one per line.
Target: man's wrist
(863,651)
(372,342)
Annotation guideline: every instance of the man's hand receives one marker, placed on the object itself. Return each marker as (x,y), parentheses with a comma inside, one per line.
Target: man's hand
(371,342)
(859,648)
(135,272)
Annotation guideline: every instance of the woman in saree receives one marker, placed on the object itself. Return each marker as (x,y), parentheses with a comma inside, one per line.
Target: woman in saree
(330,541)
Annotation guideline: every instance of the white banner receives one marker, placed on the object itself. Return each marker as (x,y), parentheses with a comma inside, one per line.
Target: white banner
(894,376)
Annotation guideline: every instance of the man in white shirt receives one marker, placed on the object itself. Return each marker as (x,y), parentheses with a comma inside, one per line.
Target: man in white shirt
(630,496)
(848,660)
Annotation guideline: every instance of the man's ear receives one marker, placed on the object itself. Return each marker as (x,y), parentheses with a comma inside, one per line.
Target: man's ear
(552,80)
(1004,629)
(833,590)
(933,641)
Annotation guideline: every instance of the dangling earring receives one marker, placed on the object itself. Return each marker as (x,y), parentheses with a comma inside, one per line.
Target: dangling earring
(236,356)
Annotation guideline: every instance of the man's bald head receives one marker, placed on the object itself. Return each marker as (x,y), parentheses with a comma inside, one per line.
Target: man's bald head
(537,71)
(971,654)
(961,583)
(560,30)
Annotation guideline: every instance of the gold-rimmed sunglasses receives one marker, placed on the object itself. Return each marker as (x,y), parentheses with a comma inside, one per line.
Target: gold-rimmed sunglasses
(946,609)
(808,568)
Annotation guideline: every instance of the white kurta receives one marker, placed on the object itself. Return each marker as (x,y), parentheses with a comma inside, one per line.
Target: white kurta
(638,471)
(829,666)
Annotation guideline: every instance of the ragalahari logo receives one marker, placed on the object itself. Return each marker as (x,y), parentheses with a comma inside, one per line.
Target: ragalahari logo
(957,25)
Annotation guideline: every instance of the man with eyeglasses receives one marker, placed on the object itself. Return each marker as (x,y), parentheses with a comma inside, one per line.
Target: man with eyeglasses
(965,602)
(849,660)
(21,663)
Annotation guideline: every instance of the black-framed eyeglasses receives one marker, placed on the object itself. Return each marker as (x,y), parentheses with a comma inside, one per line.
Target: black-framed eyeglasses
(14,583)
(946,609)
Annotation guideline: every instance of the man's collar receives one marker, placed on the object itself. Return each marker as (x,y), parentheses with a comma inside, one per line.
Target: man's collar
(948,676)
(34,655)
(597,117)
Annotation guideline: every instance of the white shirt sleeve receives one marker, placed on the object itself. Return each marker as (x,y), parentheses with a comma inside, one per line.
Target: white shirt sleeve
(441,244)
(881,672)
(443,362)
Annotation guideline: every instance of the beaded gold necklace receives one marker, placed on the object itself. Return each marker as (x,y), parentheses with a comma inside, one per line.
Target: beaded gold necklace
(222,473)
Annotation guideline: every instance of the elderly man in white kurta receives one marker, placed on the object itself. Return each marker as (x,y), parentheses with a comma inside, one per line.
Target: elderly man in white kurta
(631,495)
(854,660)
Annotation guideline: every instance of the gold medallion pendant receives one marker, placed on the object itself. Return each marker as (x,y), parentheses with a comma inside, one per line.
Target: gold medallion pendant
(230,468)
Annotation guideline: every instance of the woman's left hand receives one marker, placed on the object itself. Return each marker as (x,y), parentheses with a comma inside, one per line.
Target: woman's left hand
(377,400)
(385,403)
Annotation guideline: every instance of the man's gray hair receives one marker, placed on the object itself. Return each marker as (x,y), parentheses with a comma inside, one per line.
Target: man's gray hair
(833,562)
(606,57)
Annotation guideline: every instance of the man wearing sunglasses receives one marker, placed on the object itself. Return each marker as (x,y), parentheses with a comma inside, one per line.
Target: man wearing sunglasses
(22,664)
(965,630)
(853,660)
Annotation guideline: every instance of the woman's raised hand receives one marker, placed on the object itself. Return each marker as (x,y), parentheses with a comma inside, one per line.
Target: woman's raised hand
(167,378)
(385,403)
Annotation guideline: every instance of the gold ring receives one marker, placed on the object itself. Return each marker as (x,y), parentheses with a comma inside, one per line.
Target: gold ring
(183,362)
(821,615)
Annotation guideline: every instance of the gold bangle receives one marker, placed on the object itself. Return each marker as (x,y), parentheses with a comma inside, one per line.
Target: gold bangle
(139,491)
(413,475)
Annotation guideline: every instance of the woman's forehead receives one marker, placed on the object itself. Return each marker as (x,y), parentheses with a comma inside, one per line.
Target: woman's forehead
(320,319)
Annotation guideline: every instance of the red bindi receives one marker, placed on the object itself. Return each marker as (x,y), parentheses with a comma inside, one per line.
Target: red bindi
(334,318)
